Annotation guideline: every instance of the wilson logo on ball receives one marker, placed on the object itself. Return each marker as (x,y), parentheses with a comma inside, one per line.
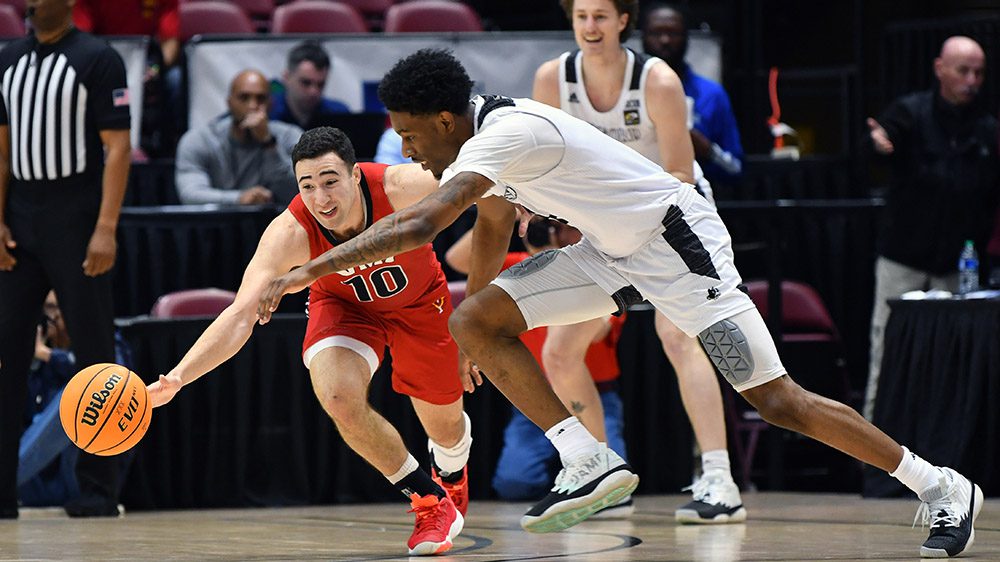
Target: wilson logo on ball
(97,400)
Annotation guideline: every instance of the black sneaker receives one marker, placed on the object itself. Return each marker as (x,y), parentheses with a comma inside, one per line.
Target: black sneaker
(716,500)
(582,487)
(86,506)
(951,509)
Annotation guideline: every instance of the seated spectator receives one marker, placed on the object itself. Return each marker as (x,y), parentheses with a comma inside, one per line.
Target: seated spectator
(46,461)
(528,461)
(158,19)
(298,98)
(242,157)
(390,149)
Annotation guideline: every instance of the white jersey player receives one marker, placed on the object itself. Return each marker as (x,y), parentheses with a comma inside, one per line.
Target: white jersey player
(525,152)
(628,121)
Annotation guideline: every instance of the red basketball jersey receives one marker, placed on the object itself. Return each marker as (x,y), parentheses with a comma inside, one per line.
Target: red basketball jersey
(389,284)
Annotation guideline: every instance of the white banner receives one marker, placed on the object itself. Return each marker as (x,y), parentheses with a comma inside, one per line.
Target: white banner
(133,53)
(500,63)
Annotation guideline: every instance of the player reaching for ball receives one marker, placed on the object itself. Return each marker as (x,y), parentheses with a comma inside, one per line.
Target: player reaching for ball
(401,301)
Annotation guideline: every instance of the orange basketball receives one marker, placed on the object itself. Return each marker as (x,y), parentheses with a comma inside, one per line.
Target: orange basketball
(105,409)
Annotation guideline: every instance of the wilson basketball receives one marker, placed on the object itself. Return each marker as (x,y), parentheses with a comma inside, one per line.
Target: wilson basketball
(105,409)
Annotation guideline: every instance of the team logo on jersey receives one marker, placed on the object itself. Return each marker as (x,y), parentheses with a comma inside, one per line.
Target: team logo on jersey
(439,304)
(713,294)
(509,193)
(573,98)
(632,117)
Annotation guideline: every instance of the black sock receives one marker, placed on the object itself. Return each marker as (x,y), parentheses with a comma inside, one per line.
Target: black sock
(420,483)
(445,476)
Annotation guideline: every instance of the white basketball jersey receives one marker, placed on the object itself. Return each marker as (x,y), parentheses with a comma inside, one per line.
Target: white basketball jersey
(627,121)
(557,165)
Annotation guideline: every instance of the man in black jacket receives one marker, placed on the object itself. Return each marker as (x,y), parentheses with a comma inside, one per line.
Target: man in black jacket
(942,147)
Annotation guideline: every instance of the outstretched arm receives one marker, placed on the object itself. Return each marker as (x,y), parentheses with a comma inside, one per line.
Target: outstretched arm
(394,234)
(282,246)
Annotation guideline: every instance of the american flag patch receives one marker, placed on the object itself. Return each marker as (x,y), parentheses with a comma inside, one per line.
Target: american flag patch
(119,97)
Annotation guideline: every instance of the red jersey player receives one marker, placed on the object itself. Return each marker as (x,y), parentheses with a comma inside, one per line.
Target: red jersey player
(401,301)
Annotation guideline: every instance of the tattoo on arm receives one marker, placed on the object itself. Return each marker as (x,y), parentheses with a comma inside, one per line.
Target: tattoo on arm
(411,227)
(383,239)
(577,407)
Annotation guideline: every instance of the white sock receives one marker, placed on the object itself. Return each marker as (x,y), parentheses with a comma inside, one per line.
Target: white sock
(409,465)
(571,439)
(717,460)
(916,473)
(453,459)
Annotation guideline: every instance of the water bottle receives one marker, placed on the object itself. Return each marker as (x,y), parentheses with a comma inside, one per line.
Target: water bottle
(968,269)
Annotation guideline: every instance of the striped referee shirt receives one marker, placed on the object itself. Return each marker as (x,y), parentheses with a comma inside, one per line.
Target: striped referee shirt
(56,98)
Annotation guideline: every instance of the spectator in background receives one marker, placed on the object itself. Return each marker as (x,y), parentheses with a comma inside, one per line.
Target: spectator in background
(162,100)
(714,133)
(242,157)
(46,458)
(942,148)
(528,460)
(298,98)
(61,192)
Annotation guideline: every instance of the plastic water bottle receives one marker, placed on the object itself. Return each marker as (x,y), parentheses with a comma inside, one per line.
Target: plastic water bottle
(968,269)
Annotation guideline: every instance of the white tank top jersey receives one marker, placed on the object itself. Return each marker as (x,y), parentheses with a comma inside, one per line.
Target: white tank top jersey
(627,121)
(557,165)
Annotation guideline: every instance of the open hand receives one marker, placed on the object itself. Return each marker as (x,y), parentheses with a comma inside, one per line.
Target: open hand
(163,390)
(100,252)
(291,282)
(880,138)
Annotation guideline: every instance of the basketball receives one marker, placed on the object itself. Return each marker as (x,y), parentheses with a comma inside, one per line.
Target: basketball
(105,409)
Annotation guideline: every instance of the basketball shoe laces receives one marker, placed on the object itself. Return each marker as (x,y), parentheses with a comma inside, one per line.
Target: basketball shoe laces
(576,473)
(426,509)
(703,491)
(941,512)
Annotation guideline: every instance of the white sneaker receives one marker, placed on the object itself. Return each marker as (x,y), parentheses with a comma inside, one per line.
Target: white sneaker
(716,500)
(583,486)
(951,509)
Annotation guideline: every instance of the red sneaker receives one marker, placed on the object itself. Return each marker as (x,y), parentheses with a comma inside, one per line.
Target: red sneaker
(458,492)
(437,522)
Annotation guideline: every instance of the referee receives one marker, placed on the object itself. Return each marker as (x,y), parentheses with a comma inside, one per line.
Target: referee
(64,161)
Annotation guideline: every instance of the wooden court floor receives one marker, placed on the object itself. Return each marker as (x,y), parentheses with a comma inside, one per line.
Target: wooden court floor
(782,527)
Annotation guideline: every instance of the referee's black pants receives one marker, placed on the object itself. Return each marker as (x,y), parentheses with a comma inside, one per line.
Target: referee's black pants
(52,223)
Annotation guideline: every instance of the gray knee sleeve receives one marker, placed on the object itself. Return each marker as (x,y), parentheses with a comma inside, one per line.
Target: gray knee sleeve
(729,350)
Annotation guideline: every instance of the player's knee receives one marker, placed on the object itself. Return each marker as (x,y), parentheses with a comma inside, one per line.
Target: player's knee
(477,317)
(559,360)
(344,407)
(783,403)
(464,326)
(678,346)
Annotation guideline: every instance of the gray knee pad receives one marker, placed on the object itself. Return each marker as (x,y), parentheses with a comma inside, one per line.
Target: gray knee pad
(729,350)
